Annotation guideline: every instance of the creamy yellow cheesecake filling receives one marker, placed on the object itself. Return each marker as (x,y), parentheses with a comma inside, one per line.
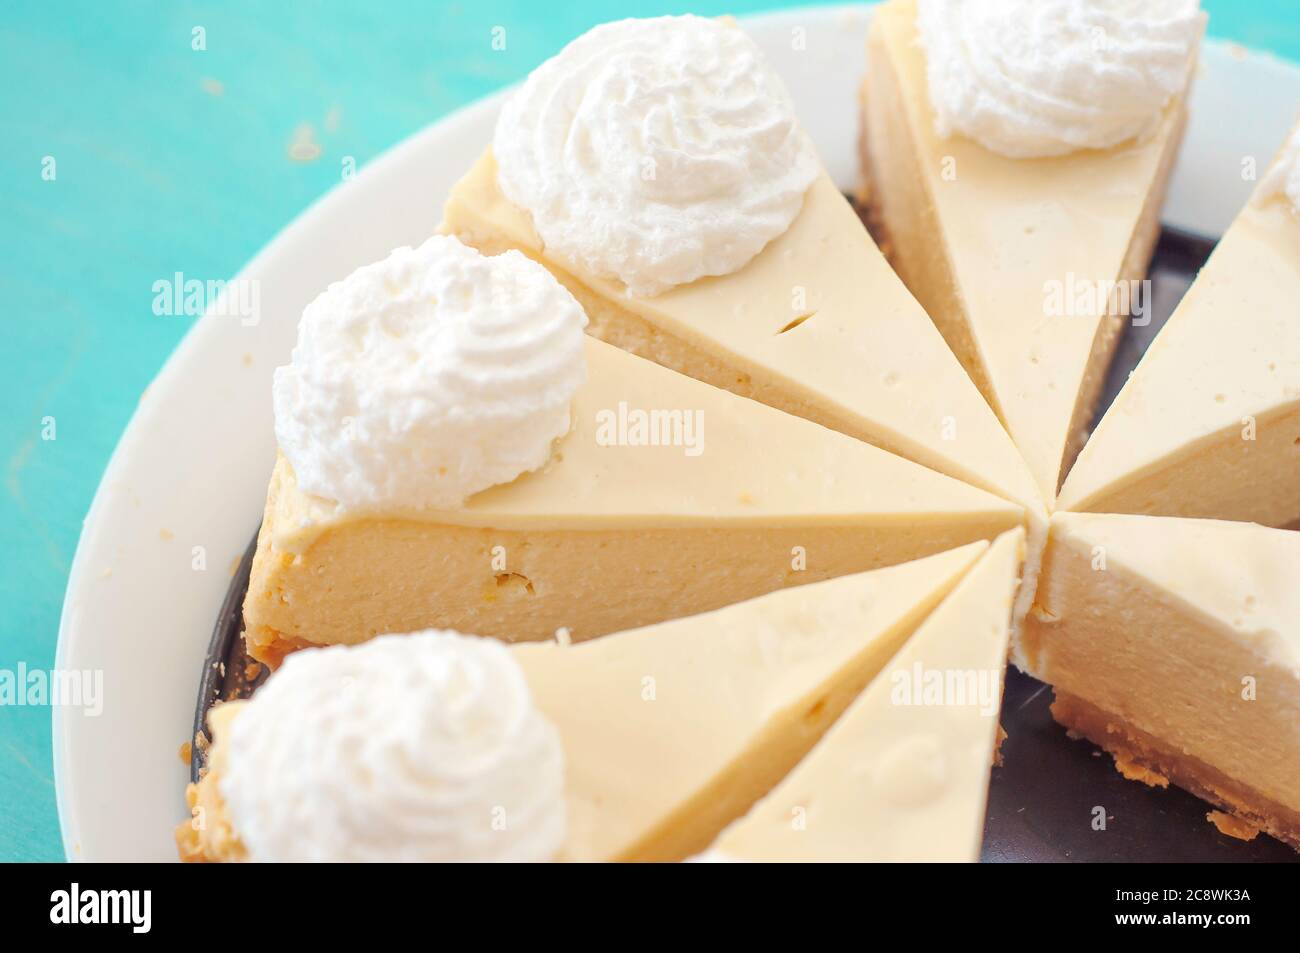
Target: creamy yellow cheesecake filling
(983,241)
(613,532)
(1185,636)
(904,774)
(667,732)
(816,325)
(702,716)
(1209,423)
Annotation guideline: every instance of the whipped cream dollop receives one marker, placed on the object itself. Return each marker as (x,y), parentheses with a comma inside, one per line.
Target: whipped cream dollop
(424,378)
(1283,177)
(655,152)
(1029,78)
(420,747)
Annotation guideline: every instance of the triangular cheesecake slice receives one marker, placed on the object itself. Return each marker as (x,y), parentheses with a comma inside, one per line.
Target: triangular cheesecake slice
(904,774)
(1208,425)
(667,732)
(817,325)
(1175,645)
(673,730)
(666,498)
(1013,258)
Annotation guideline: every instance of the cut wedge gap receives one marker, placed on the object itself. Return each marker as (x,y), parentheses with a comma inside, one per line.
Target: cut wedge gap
(796,322)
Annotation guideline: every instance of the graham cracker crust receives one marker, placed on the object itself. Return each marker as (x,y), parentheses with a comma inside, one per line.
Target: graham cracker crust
(270,646)
(1142,757)
(1231,826)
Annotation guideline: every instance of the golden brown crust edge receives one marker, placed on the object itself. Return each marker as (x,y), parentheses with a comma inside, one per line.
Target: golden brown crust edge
(1141,757)
(207,835)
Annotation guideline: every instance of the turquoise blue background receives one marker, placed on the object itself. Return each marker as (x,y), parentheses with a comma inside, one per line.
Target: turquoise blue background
(171,159)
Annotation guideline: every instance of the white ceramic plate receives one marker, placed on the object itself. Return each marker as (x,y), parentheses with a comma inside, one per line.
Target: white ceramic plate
(191,469)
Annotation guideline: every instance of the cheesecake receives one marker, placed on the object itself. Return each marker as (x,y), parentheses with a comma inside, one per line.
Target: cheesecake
(1174,644)
(673,730)
(814,322)
(1021,194)
(638,746)
(1208,425)
(420,747)
(904,774)
(863,359)
(746,517)
(650,496)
